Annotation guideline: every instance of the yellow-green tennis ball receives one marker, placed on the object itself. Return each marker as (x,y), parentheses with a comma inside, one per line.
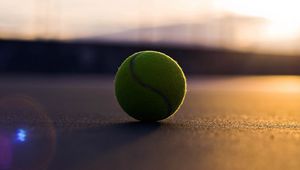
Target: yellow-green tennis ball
(150,86)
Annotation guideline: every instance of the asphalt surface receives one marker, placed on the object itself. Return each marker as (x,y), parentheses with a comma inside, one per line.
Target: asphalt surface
(75,123)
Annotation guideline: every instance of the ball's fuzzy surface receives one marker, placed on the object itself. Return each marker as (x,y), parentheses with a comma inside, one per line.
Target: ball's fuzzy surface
(150,86)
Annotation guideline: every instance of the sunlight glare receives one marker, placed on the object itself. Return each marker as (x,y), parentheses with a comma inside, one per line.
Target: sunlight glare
(282,30)
(282,16)
(21,135)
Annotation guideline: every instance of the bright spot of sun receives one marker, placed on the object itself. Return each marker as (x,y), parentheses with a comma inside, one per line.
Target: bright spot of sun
(282,30)
(283,16)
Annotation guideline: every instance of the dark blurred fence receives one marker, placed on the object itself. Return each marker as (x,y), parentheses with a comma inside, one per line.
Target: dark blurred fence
(85,57)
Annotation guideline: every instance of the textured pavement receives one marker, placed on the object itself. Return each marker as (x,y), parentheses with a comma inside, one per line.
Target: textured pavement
(75,123)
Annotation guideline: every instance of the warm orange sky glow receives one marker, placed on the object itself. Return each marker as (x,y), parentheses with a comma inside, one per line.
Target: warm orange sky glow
(255,25)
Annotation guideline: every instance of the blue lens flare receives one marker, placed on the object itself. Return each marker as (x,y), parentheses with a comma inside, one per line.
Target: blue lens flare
(21,135)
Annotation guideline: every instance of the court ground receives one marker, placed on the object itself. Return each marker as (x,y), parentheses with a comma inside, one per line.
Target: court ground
(74,122)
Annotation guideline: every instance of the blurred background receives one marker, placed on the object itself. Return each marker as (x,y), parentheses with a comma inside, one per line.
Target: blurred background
(204,36)
(57,104)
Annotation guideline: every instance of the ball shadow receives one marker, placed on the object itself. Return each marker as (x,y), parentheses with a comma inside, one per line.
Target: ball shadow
(78,146)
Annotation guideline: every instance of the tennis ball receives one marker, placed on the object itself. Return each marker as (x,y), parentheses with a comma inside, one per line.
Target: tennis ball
(150,86)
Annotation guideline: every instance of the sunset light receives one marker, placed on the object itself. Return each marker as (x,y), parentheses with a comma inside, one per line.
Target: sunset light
(149,84)
(250,25)
(283,16)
